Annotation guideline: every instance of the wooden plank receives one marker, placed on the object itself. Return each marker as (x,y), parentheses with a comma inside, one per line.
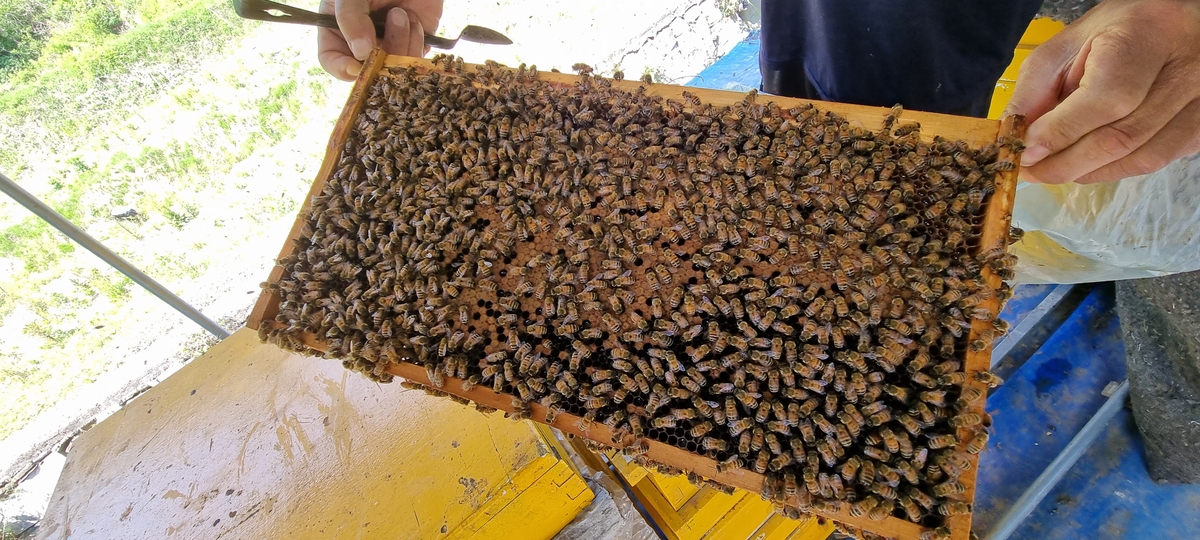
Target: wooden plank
(678,525)
(996,222)
(740,522)
(632,472)
(540,500)
(814,529)
(704,511)
(677,489)
(976,132)
(590,458)
(779,527)
(267,305)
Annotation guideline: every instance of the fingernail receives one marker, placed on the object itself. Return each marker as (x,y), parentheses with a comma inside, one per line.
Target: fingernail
(353,70)
(398,17)
(1034,154)
(361,47)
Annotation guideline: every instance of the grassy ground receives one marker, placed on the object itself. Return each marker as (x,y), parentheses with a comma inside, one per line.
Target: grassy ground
(132,123)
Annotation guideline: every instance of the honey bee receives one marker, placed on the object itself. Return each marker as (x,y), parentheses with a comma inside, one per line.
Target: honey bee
(910,424)
(731,415)
(860,508)
(978,442)
(946,489)
(907,470)
(922,379)
(882,511)
(710,443)
(969,396)
(911,510)
(810,481)
(940,533)
(933,397)
(637,448)
(906,129)
(942,441)
(924,412)
(883,490)
(988,378)
(734,462)
(982,341)
(966,420)
(953,508)
(652,280)
(761,462)
(952,379)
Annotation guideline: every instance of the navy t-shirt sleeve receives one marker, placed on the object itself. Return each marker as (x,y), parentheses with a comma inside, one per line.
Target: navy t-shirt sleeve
(941,56)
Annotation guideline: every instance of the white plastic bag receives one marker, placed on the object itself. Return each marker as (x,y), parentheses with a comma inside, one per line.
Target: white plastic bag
(1143,226)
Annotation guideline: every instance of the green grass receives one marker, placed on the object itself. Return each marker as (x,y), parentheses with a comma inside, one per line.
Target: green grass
(35,243)
(100,65)
(89,98)
(111,284)
(273,111)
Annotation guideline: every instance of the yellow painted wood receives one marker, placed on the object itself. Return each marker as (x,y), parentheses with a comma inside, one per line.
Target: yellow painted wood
(556,446)
(813,529)
(690,522)
(249,441)
(1000,97)
(632,473)
(594,460)
(1040,31)
(659,510)
(1013,69)
(711,515)
(777,527)
(1037,33)
(703,511)
(746,517)
(538,501)
(675,489)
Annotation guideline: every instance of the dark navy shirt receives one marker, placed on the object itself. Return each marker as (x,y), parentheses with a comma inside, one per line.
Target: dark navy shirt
(929,55)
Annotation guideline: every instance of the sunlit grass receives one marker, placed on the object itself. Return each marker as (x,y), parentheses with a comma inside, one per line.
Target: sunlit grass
(139,138)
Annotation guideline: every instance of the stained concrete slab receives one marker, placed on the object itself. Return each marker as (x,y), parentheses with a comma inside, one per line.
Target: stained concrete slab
(1160,319)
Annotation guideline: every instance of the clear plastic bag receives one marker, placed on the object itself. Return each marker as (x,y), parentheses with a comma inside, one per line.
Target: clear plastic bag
(1144,226)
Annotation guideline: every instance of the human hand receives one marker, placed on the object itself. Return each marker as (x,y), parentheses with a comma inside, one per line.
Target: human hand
(342,52)
(1115,94)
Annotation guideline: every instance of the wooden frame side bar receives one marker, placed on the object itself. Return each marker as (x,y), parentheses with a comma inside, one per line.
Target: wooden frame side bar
(267,305)
(996,222)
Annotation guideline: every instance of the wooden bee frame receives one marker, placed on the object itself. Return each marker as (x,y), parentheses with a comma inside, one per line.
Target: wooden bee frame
(996,222)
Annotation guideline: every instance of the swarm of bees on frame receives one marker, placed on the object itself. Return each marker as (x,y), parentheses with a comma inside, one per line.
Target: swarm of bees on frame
(774,288)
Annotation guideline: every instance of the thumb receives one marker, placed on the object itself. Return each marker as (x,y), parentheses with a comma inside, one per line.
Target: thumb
(1041,79)
(354,20)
